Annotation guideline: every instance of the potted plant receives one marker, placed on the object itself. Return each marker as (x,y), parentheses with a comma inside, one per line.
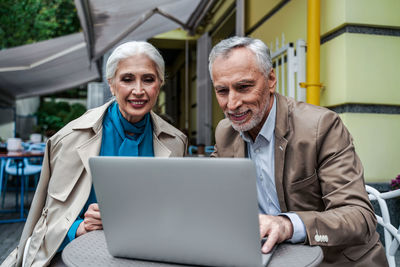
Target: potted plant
(52,116)
(395,184)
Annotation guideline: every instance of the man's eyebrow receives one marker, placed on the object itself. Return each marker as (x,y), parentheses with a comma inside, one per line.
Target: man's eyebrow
(245,81)
(220,87)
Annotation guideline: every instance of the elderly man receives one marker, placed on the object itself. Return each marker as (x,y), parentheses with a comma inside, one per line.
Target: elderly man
(309,179)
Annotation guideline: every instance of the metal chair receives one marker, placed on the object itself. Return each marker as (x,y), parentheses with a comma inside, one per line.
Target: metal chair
(22,168)
(392,235)
(207,150)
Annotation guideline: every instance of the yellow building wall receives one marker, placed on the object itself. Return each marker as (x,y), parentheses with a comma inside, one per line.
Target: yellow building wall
(291,21)
(257,9)
(360,68)
(373,61)
(376,141)
(334,72)
(335,13)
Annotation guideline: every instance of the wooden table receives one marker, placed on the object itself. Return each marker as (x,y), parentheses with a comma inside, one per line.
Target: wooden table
(17,156)
(90,250)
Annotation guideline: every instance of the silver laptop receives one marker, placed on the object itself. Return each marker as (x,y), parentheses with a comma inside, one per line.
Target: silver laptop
(196,211)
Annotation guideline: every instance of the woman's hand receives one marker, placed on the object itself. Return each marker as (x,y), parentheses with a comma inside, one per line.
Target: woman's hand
(92,220)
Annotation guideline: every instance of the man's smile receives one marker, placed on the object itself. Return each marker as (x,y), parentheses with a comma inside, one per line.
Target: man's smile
(238,117)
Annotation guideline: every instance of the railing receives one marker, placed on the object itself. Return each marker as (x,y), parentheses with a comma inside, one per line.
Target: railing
(392,235)
(290,67)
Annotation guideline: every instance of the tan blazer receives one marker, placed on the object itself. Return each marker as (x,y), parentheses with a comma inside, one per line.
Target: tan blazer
(319,176)
(65,182)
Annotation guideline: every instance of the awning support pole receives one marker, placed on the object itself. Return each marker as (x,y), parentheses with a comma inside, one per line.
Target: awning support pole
(313,84)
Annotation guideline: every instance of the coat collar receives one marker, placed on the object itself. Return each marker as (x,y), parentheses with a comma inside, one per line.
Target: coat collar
(94,121)
(160,126)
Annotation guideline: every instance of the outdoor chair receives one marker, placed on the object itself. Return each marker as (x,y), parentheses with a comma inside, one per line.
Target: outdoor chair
(194,149)
(23,167)
(391,234)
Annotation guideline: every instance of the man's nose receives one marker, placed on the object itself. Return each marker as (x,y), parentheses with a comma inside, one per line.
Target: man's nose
(234,100)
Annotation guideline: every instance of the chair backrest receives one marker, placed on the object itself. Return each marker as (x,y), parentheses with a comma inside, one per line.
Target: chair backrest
(193,150)
(37,147)
(209,149)
(392,235)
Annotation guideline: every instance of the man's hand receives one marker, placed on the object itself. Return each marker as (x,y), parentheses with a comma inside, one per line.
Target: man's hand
(277,228)
(92,220)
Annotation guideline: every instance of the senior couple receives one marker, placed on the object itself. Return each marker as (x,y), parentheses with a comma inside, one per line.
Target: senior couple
(309,179)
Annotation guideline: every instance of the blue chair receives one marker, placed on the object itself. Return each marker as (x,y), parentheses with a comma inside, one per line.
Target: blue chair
(209,149)
(22,168)
(192,150)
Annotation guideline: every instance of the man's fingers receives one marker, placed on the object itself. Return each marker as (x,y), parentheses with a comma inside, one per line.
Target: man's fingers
(263,230)
(277,228)
(270,243)
(263,225)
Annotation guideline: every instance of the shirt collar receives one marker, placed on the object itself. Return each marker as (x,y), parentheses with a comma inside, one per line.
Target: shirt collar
(267,131)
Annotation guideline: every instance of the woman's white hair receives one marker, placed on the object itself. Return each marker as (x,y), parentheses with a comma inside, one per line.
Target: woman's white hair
(133,48)
(260,50)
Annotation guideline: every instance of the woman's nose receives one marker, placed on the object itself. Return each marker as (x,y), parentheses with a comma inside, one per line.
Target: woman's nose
(138,88)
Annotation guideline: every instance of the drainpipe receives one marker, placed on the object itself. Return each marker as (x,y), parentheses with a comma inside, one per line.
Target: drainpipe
(313,84)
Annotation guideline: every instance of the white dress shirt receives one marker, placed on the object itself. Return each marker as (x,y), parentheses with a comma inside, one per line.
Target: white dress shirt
(261,151)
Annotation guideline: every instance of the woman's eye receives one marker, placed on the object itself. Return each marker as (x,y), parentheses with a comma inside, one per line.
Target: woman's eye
(149,79)
(127,79)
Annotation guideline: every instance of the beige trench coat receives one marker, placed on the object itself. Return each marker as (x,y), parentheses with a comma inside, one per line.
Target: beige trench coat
(65,182)
(319,176)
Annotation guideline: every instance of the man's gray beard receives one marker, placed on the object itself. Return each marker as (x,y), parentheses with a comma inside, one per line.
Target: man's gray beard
(256,120)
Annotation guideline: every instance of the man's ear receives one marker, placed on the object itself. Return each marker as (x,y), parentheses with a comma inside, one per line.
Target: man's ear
(271,81)
(111,85)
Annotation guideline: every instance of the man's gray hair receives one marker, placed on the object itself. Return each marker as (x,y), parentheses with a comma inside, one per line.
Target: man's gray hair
(260,50)
(133,48)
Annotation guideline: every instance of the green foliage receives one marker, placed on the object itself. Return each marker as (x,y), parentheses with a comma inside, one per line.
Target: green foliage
(28,21)
(52,116)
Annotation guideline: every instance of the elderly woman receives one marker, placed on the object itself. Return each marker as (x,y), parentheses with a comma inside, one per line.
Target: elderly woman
(64,205)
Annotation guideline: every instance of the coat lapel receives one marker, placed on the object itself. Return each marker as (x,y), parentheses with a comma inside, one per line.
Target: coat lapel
(160,150)
(91,147)
(281,129)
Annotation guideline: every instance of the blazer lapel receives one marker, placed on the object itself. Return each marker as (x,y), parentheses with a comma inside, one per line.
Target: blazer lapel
(280,149)
(281,129)
(239,148)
